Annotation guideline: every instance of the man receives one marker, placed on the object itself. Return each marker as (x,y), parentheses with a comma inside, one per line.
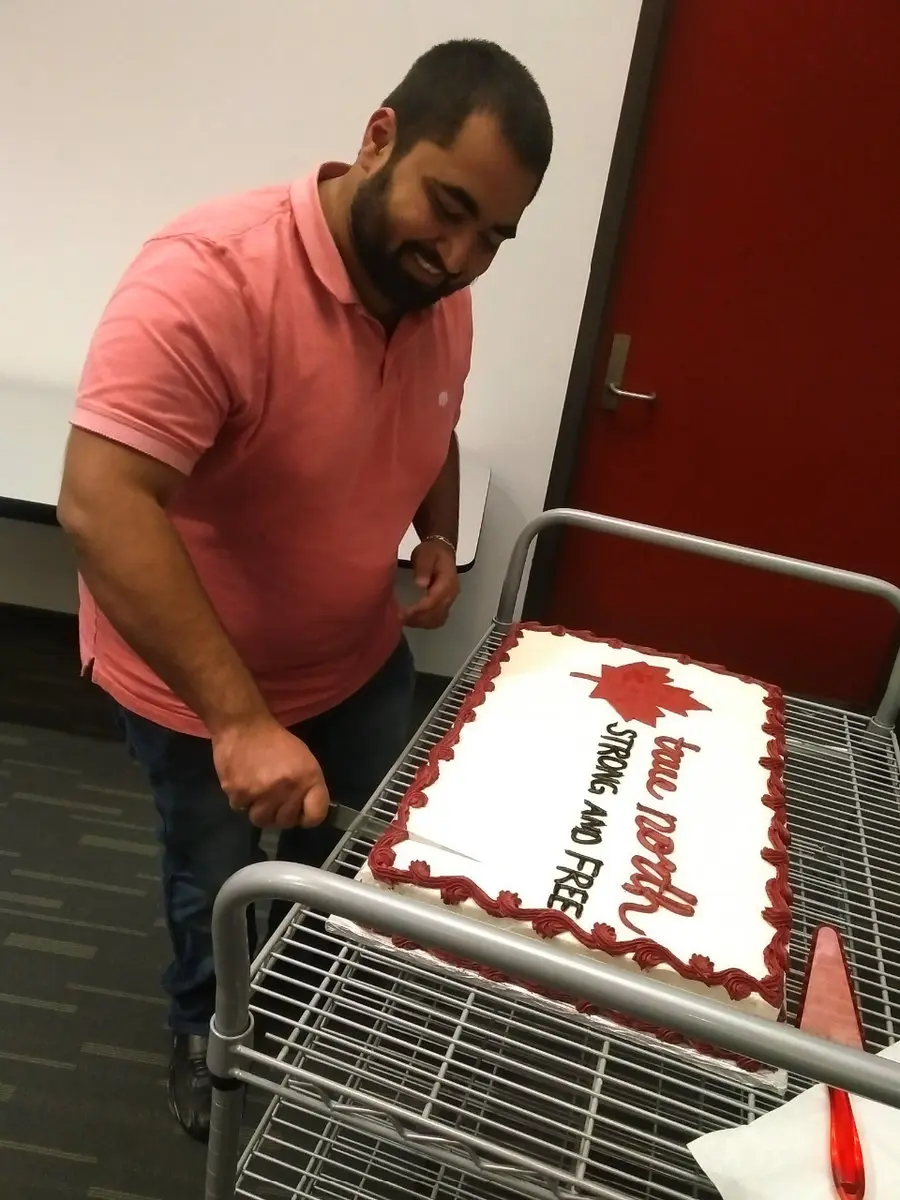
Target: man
(268,402)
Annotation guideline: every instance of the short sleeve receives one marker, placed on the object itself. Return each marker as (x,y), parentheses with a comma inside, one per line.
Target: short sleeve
(173,357)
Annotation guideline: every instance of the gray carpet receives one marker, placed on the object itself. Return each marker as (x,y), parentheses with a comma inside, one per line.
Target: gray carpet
(83,1048)
(82,1041)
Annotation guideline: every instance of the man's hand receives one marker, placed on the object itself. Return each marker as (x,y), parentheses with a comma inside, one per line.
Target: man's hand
(270,774)
(434,571)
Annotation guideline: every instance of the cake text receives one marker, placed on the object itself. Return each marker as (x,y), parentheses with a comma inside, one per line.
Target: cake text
(667,756)
(652,878)
(571,887)
(572,884)
(591,823)
(613,754)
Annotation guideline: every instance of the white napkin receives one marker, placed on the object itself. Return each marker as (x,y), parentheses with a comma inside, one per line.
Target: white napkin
(784,1154)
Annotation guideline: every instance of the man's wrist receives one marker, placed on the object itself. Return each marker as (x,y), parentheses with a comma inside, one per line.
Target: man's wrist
(243,712)
(441,540)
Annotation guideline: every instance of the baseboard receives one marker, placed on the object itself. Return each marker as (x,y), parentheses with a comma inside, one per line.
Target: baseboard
(47,617)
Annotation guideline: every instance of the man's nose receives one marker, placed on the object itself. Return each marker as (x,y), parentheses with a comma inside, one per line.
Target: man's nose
(456,251)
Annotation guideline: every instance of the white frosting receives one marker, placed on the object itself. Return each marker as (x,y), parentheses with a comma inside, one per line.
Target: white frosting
(504,807)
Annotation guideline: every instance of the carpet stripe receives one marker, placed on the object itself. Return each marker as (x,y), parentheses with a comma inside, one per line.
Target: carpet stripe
(23,941)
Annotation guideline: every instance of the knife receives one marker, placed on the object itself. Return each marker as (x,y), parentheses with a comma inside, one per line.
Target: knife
(829,1010)
(343,818)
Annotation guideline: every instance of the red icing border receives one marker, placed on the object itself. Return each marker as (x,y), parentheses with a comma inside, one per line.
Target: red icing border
(454,889)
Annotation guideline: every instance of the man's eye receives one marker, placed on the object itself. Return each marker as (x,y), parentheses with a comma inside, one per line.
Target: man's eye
(441,210)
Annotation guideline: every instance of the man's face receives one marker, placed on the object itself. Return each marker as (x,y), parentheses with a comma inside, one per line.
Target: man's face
(429,223)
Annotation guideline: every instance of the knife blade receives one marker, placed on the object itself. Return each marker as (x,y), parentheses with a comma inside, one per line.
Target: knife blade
(343,818)
(828,1009)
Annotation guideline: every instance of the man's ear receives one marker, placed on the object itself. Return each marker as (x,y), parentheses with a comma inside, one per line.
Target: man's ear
(378,140)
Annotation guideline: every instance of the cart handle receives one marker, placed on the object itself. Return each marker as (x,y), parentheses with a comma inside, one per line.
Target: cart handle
(608,987)
(850,581)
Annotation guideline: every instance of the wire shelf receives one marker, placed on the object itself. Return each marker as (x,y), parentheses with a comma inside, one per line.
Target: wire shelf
(394,1077)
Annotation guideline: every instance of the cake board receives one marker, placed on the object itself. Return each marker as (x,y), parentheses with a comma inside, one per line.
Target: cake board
(498,781)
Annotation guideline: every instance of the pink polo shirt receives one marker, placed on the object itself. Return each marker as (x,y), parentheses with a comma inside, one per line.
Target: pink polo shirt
(235,349)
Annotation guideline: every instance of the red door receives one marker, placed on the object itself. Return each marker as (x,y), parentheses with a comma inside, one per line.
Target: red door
(759,281)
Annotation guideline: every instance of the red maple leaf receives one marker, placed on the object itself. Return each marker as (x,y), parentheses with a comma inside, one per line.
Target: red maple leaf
(639,692)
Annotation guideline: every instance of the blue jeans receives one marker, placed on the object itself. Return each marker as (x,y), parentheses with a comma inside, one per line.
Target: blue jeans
(205,841)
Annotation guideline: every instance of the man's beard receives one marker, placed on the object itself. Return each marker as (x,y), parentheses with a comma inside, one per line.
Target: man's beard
(369,229)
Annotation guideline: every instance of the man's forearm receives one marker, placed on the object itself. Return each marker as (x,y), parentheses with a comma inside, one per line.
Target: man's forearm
(438,514)
(140,575)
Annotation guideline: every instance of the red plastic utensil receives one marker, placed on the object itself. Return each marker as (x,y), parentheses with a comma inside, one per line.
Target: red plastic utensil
(829,1010)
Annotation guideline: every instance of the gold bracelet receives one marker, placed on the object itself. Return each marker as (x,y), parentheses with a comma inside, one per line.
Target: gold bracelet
(439,537)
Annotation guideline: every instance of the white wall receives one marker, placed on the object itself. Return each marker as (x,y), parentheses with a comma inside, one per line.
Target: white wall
(117,114)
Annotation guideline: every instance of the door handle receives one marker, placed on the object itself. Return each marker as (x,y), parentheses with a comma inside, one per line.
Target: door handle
(613,391)
(623,395)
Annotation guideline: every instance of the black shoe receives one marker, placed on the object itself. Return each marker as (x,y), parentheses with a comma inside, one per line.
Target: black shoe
(190,1087)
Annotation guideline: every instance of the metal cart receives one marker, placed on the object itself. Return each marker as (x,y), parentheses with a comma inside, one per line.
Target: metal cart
(383,1074)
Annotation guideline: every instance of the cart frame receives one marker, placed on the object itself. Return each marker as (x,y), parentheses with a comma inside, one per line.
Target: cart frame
(868,756)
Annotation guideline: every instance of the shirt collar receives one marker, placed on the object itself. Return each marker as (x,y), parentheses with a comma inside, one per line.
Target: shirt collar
(309,218)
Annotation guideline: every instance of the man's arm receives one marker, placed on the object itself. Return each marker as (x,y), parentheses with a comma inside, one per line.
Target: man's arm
(170,361)
(113,506)
(434,559)
(438,514)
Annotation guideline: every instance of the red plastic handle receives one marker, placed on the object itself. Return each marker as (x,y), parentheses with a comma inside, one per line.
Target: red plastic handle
(847,1167)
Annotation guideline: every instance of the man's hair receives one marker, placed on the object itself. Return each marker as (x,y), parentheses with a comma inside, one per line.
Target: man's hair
(452,81)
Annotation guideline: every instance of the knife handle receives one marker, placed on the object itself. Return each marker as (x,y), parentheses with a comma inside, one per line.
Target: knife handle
(847,1169)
